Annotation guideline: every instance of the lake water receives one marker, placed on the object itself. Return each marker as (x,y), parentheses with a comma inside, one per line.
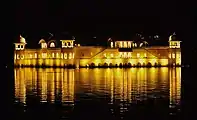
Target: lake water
(115,91)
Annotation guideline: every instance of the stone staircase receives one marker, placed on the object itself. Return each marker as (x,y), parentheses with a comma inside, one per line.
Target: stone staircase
(98,53)
(152,53)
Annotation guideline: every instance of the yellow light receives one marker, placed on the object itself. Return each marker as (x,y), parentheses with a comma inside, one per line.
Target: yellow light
(65,55)
(70,55)
(120,44)
(112,55)
(73,55)
(145,55)
(111,44)
(125,44)
(62,55)
(138,55)
(104,54)
(129,44)
(173,55)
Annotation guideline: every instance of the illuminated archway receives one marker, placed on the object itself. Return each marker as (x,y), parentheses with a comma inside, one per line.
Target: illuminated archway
(105,65)
(138,64)
(110,65)
(149,64)
(92,65)
(99,65)
(52,44)
(120,65)
(129,64)
(156,64)
(125,65)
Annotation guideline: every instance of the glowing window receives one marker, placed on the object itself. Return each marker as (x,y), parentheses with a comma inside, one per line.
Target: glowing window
(14,56)
(22,56)
(145,55)
(44,55)
(57,55)
(65,55)
(129,55)
(36,55)
(91,53)
(73,55)
(43,45)
(53,55)
(120,44)
(104,54)
(18,57)
(70,55)
(112,45)
(169,55)
(129,44)
(30,55)
(138,55)
(173,55)
(125,44)
(112,55)
(135,44)
(52,44)
(62,55)
(125,55)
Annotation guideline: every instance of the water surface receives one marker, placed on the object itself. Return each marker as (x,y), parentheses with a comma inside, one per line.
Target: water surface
(114,90)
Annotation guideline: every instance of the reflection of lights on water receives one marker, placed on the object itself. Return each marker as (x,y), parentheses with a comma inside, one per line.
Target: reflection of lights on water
(126,85)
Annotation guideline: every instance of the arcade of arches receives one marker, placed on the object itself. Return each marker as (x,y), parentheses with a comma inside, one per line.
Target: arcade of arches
(123,64)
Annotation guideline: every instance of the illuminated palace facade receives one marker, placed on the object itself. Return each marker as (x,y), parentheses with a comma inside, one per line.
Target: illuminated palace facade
(116,54)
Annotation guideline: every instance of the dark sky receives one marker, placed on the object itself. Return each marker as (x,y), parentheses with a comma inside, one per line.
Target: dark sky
(104,18)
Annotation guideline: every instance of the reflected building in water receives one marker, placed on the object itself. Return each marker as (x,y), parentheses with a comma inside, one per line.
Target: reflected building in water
(118,86)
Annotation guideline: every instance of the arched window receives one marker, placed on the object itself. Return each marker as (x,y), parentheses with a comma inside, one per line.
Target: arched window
(70,55)
(129,55)
(62,55)
(36,55)
(138,55)
(125,55)
(125,44)
(52,44)
(43,45)
(129,44)
(65,55)
(112,45)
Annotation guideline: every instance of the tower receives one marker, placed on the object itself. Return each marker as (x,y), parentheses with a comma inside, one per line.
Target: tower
(68,43)
(19,53)
(21,44)
(174,50)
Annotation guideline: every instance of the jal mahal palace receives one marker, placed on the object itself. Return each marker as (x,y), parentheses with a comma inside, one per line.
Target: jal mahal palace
(124,53)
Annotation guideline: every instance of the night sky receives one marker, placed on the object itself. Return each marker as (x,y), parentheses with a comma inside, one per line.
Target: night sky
(116,19)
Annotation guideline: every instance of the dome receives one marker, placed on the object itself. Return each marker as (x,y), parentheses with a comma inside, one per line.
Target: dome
(42,41)
(22,39)
(173,37)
